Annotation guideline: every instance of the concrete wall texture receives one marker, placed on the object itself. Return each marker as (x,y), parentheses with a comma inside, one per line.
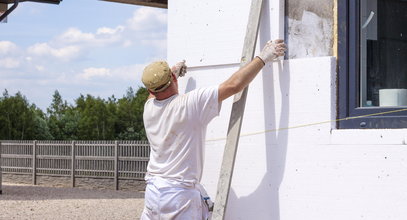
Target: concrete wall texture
(303,172)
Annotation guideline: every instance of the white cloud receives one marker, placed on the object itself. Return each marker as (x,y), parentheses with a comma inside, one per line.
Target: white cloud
(145,28)
(127,43)
(92,72)
(74,35)
(149,27)
(40,68)
(9,63)
(73,43)
(147,18)
(103,37)
(106,30)
(7,47)
(40,49)
(129,73)
(64,53)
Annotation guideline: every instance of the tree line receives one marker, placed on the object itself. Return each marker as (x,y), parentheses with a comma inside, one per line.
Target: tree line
(89,118)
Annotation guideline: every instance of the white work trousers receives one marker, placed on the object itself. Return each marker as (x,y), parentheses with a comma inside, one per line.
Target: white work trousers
(172,203)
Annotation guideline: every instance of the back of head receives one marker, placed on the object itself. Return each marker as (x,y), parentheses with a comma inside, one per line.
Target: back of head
(157,76)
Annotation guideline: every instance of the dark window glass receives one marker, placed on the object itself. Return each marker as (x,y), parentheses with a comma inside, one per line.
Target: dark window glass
(383,53)
(372,63)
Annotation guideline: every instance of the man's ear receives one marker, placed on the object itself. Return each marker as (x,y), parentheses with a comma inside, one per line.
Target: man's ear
(151,94)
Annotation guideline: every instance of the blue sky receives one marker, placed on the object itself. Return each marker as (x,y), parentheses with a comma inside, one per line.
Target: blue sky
(92,47)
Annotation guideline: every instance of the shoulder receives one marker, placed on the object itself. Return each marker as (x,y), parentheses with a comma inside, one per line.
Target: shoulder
(202,96)
(149,101)
(211,90)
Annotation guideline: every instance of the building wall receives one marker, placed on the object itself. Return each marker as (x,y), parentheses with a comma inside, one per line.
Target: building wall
(292,162)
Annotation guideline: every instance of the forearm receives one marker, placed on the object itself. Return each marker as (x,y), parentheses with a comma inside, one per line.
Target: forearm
(240,79)
(245,75)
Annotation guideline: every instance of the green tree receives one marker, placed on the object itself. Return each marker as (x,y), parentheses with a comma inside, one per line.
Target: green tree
(89,119)
(130,108)
(41,129)
(19,119)
(70,123)
(56,112)
(96,121)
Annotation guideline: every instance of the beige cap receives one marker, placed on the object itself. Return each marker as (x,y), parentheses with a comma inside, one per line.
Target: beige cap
(157,76)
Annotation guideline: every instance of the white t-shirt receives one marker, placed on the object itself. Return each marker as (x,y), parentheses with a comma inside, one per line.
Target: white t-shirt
(176,129)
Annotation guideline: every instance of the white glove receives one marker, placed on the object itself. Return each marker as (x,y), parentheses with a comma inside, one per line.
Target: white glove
(179,69)
(272,50)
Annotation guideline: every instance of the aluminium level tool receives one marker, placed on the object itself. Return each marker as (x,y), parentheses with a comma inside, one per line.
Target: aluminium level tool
(236,116)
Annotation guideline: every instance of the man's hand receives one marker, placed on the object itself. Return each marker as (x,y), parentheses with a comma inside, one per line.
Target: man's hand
(272,50)
(179,69)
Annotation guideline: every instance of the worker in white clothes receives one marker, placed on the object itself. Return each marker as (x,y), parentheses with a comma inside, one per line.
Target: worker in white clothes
(176,127)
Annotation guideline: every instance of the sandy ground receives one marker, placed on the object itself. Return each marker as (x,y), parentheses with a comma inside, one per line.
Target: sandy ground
(20,201)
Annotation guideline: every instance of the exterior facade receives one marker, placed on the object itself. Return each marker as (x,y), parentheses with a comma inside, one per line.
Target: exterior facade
(296,159)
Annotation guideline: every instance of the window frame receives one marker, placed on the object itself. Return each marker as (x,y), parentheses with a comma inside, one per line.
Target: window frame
(348,77)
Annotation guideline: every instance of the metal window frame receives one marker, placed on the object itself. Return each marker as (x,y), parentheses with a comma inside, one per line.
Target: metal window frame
(348,77)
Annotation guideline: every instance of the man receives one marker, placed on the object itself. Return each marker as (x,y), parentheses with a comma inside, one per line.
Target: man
(176,126)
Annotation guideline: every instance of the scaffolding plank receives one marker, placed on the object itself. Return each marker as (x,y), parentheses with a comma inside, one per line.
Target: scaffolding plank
(236,116)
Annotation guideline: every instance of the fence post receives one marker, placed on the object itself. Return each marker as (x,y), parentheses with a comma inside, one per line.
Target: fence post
(73,163)
(116,165)
(34,164)
(1,180)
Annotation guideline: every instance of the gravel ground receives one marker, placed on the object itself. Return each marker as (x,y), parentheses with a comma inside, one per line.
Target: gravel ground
(84,183)
(21,201)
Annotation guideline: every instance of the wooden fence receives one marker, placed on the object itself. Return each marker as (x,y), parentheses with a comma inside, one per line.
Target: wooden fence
(92,159)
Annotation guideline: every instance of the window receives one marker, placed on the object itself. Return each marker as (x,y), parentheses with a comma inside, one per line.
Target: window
(372,61)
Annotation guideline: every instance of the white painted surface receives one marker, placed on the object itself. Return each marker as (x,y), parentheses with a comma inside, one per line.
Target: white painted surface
(212,32)
(308,172)
(206,31)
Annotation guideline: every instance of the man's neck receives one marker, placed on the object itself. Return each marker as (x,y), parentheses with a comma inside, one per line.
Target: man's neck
(165,94)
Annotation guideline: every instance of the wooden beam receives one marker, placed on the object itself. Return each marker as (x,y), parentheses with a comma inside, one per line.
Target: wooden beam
(3,7)
(236,116)
(150,3)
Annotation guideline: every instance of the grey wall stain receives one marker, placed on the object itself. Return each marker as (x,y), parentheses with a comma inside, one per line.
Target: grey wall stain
(309,28)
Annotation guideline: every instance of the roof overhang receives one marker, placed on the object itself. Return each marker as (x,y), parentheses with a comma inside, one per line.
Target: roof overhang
(40,1)
(5,11)
(150,3)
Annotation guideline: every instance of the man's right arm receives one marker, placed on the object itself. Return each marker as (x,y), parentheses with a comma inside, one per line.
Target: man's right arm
(240,79)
